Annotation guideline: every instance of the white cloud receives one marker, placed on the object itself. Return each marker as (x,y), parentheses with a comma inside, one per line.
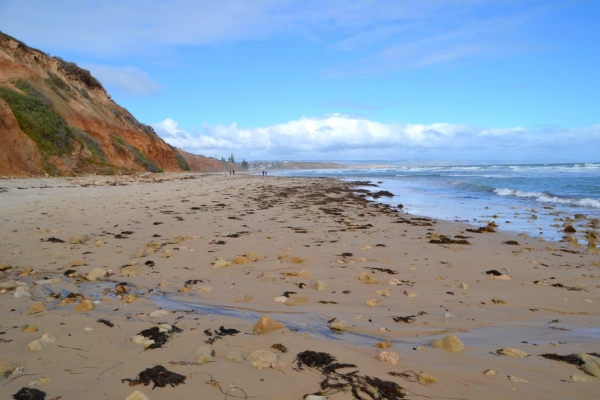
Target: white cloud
(128,79)
(337,137)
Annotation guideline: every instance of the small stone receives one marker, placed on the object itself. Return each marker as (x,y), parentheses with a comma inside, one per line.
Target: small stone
(464,286)
(221,263)
(295,301)
(158,313)
(252,256)
(498,301)
(34,346)
(234,356)
(4,267)
(95,274)
(267,324)
(22,291)
(501,277)
(384,292)
(139,339)
(241,260)
(338,325)
(167,253)
(41,343)
(366,278)
(412,295)
(489,372)
(450,342)
(262,358)
(281,299)
(297,260)
(512,352)
(38,382)
(394,282)
(79,238)
(389,357)
(36,308)
(361,259)
(515,379)
(6,368)
(581,378)
(384,345)
(99,242)
(30,329)
(204,355)
(426,379)
(591,364)
(304,274)
(320,285)
(130,298)
(137,395)
(47,281)
(270,237)
(8,285)
(84,306)
(372,302)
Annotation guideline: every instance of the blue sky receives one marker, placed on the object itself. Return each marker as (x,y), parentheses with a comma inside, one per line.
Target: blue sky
(334,80)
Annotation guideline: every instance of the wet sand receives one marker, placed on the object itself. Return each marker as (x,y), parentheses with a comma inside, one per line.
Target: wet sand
(162,234)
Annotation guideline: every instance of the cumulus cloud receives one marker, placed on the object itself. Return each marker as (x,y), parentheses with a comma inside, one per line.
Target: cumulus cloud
(339,137)
(127,79)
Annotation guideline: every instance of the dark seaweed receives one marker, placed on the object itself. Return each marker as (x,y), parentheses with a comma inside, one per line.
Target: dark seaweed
(386,270)
(570,359)
(106,322)
(53,240)
(409,319)
(493,272)
(280,347)
(446,240)
(313,359)
(158,375)
(27,393)
(160,338)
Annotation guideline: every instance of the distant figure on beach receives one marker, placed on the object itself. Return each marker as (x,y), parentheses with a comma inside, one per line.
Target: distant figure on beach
(233,172)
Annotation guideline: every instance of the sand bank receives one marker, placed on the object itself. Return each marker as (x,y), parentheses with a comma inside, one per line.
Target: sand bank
(212,251)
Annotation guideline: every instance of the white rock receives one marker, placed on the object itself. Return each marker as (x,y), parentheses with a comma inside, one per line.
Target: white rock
(95,274)
(158,313)
(137,395)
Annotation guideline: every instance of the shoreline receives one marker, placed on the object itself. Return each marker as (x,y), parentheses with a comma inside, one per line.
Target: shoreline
(296,224)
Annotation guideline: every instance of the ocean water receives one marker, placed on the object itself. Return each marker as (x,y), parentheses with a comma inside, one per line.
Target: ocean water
(530,198)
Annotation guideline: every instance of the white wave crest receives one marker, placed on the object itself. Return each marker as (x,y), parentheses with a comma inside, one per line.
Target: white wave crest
(545,198)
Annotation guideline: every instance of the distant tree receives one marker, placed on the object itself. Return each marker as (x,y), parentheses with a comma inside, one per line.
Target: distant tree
(222,159)
(231,159)
(245,164)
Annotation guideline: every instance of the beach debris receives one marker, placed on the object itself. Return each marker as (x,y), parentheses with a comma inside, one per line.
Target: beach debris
(591,364)
(337,325)
(384,345)
(84,306)
(489,372)
(137,395)
(513,352)
(389,357)
(204,355)
(511,242)
(122,288)
(580,378)
(36,308)
(450,342)
(488,228)
(366,278)
(79,238)
(158,375)
(38,382)
(53,240)
(8,285)
(383,292)
(335,381)
(280,347)
(218,334)
(95,274)
(263,359)
(158,313)
(571,288)
(436,238)
(253,256)
(515,379)
(498,301)
(426,379)
(372,302)
(266,324)
(106,322)
(267,278)
(241,260)
(30,329)
(386,270)
(503,277)
(4,267)
(409,319)
(493,272)
(234,356)
(464,286)
(320,285)
(41,343)
(157,336)
(28,393)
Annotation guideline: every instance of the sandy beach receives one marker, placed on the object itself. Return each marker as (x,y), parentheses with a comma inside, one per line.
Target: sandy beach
(207,254)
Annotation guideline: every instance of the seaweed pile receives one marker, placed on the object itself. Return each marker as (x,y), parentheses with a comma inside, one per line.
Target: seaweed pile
(334,382)
(158,375)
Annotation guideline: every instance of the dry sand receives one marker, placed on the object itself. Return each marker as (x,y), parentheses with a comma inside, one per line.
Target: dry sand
(315,225)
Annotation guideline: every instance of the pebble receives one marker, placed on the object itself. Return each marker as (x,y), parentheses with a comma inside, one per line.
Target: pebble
(513,352)
(6,367)
(464,286)
(394,282)
(412,295)
(372,302)
(241,260)
(79,238)
(591,364)
(130,298)
(204,355)
(383,292)
(389,357)
(43,342)
(47,281)
(501,277)
(450,342)
(320,285)
(137,395)
(30,329)
(489,372)
(304,274)
(4,267)
(84,306)
(167,253)
(8,285)
(426,379)
(281,299)
(384,345)
(581,378)
(95,274)
(221,263)
(158,313)
(252,256)
(366,278)
(36,308)
(22,291)
(267,324)
(338,325)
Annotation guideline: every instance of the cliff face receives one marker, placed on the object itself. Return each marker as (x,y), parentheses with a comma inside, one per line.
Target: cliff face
(199,163)
(58,119)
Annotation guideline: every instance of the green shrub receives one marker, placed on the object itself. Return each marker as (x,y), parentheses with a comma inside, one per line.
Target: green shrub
(83,74)
(183,164)
(41,123)
(119,143)
(26,87)
(92,144)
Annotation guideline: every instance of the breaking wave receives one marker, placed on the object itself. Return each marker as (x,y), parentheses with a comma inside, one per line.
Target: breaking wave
(548,198)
